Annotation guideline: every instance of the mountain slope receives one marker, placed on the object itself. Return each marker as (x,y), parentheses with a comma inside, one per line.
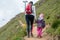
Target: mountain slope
(12,30)
(51,8)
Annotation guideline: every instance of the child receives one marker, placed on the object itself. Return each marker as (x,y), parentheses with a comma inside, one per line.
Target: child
(40,25)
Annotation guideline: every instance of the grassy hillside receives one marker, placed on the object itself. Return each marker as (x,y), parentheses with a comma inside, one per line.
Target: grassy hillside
(12,30)
(51,8)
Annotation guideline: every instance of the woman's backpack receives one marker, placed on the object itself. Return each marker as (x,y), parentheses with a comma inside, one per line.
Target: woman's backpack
(28,9)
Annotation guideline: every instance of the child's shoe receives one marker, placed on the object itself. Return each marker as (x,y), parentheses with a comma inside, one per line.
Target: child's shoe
(40,36)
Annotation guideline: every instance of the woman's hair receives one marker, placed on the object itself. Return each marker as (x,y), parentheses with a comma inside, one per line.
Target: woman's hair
(31,2)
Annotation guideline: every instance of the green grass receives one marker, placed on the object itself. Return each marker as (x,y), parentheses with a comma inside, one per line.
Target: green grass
(13,31)
(50,8)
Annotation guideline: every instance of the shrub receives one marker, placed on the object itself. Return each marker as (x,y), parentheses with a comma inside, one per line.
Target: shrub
(50,31)
(57,32)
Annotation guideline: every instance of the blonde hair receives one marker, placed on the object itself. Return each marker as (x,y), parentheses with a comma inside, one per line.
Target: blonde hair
(41,16)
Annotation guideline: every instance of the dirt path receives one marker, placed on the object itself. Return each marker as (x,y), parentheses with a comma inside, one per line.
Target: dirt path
(45,36)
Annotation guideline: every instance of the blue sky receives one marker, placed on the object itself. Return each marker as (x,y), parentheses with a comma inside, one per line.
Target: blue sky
(10,8)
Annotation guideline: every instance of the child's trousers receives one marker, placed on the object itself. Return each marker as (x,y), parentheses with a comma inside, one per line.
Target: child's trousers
(39,31)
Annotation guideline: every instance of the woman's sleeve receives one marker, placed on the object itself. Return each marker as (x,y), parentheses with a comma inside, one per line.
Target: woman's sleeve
(34,12)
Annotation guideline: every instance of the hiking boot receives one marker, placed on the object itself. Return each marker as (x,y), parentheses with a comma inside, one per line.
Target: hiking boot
(28,35)
(31,34)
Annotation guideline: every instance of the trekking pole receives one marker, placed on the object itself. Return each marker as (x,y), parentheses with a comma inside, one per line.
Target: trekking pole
(25,3)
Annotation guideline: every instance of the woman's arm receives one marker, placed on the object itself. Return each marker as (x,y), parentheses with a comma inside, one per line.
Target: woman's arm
(34,12)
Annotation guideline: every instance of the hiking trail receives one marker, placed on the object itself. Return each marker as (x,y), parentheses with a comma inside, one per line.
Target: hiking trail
(44,35)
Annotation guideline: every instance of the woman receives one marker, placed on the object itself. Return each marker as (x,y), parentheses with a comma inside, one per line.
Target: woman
(30,15)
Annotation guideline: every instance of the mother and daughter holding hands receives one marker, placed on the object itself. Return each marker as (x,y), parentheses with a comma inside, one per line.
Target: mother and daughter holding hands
(30,16)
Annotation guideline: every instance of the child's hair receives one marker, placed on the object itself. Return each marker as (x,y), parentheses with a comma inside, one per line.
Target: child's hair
(41,16)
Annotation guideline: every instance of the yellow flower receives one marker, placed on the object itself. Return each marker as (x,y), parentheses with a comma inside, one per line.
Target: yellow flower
(24,26)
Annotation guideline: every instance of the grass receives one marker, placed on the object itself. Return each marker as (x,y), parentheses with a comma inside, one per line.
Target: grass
(50,8)
(13,31)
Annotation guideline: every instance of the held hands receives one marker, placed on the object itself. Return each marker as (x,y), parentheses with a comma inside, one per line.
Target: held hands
(35,20)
